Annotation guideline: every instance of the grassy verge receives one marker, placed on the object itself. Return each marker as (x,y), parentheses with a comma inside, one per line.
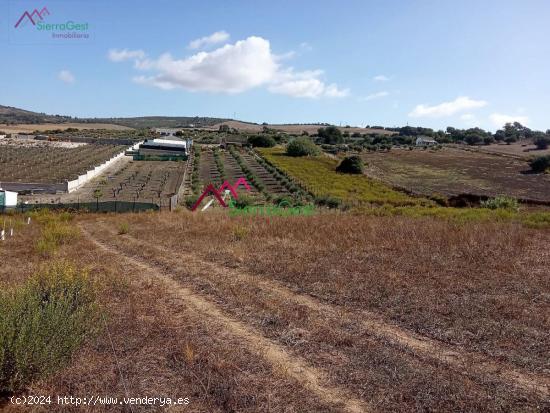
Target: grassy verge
(42,323)
(318,175)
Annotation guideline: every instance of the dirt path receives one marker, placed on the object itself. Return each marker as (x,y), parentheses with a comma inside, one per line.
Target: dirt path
(289,365)
(460,361)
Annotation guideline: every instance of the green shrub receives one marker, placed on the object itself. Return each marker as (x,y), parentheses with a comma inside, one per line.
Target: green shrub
(43,322)
(302,147)
(123,228)
(55,233)
(351,165)
(540,164)
(261,141)
(542,142)
(501,202)
(191,200)
(328,201)
(243,201)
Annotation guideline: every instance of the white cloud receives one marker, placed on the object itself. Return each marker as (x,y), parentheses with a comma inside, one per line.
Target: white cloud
(304,84)
(306,46)
(217,37)
(333,91)
(235,68)
(376,95)
(500,119)
(66,76)
(380,78)
(460,104)
(116,55)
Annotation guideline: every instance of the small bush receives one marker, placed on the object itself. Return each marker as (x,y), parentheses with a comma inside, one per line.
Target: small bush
(542,142)
(540,164)
(239,233)
(328,201)
(243,201)
(54,234)
(123,228)
(43,322)
(302,147)
(191,200)
(351,165)
(261,141)
(501,202)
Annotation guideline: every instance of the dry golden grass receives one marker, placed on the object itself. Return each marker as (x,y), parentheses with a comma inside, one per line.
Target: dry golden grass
(388,313)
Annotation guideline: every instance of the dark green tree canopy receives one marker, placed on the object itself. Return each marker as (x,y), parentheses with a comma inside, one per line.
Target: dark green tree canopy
(330,135)
(302,147)
(351,165)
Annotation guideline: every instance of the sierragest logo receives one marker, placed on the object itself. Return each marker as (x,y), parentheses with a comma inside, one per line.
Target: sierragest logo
(32,17)
(64,30)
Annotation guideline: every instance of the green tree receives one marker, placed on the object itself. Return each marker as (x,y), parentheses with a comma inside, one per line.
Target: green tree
(351,165)
(330,135)
(540,164)
(302,147)
(262,141)
(542,142)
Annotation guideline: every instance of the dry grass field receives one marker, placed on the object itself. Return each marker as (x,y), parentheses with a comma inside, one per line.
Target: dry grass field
(524,150)
(454,171)
(334,312)
(30,128)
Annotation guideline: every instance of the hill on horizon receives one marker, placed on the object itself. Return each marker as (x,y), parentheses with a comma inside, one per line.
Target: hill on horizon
(10,115)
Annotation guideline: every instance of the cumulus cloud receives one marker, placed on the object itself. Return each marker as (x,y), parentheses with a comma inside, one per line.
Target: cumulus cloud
(376,95)
(116,55)
(234,68)
(500,119)
(66,76)
(380,78)
(214,38)
(460,104)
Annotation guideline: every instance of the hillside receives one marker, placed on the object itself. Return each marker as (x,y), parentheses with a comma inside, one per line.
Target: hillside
(295,128)
(15,116)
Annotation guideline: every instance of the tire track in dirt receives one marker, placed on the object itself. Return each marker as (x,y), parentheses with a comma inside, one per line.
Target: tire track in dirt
(292,366)
(460,361)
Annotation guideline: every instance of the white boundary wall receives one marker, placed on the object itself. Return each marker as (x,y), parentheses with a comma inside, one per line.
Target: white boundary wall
(92,173)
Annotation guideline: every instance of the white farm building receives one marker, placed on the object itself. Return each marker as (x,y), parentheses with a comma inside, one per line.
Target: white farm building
(8,199)
(425,141)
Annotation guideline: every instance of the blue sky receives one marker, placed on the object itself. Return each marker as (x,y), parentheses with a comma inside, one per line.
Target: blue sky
(427,63)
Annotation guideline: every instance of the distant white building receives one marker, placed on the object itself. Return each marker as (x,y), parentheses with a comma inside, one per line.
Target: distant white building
(8,199)
(425,141)
(3,136)
(166,131)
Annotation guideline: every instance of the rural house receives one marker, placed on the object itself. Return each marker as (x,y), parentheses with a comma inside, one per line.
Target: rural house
(425,141)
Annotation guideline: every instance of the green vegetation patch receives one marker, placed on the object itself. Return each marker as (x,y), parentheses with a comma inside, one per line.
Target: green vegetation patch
(318,174)
(43,322)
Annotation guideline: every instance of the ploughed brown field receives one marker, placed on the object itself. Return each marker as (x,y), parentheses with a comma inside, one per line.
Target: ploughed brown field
(334,312)
(452,171)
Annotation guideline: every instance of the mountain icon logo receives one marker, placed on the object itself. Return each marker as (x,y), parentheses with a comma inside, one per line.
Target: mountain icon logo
(35,14)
